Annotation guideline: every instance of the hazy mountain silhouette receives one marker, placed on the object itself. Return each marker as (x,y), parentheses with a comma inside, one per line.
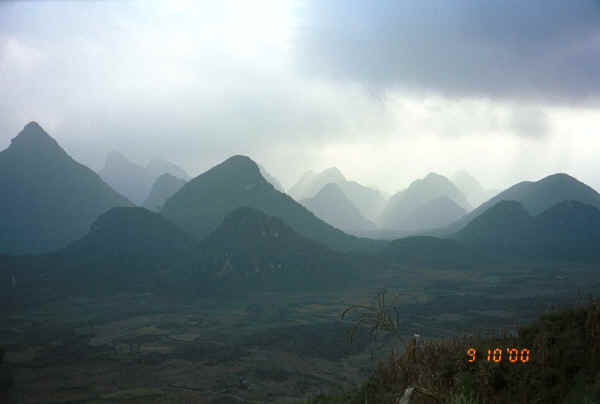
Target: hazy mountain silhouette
(471,188)
(133,180)
(328,176)
(202,204)
(126,177)
(333,206)
(49,199)
(157,167)
(437,212)
(257,250)
(405,205)
(299,190)
(274,181)
(536,197)
(163,188)
(368,201)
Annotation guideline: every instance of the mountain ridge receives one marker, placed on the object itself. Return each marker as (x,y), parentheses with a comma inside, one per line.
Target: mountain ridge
(54,199)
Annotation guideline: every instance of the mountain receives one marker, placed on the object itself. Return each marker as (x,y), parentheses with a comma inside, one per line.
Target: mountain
(328,176)
(126,248)
(253,250)
(507,224)
(202,204)
(470,187)
(163,188)
(133,232)
(367,200)
(133,180)
(568,230)
(437,212)
(333,206)
(536,197)
(157,167)
(370,202)
(48,199)
(126,177)
(274,181)
(298,190)
(409,202)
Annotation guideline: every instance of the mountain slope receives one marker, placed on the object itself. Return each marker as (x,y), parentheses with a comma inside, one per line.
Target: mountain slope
(133,180)
(272,180)
(505,225)
(368,201)
(157,167)
(202,204)
(163,188)
(470,187)
(330,175)
(48,199)
(126,177)
(298,190)
(253,250)
(403,204)
(437,212)
(567,230)
(134,232)
(536,197)
(126,248)
(331,205)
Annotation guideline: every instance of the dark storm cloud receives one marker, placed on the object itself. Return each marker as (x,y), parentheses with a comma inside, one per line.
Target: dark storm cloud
(511,49)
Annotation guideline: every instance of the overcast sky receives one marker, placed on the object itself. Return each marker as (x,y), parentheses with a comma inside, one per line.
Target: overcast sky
(386,91)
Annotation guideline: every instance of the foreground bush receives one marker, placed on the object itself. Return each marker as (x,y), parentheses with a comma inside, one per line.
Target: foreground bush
(556,359)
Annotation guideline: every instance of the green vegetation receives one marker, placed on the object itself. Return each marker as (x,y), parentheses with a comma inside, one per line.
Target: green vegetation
(562,366)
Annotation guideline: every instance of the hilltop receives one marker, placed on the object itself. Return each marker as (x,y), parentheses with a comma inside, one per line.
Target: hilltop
(50,199)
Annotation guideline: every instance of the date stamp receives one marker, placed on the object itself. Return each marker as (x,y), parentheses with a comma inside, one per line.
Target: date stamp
(497,355)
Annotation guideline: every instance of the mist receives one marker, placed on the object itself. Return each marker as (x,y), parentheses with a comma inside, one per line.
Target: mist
(387,94)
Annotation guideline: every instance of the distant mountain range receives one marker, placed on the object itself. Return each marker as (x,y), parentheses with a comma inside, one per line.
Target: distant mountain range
(231,229)
(202,204)
(133,180)
(472,189)
(163,188)
(300,190)
(367,200)
(535,196)
(333,206)
(431,202)
(48,199)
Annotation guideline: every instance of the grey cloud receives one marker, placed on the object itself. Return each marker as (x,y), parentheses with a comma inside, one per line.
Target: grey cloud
(540,50)
(529,122)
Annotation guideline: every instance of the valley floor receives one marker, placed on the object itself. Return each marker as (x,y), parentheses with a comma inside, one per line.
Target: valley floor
(268,347)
